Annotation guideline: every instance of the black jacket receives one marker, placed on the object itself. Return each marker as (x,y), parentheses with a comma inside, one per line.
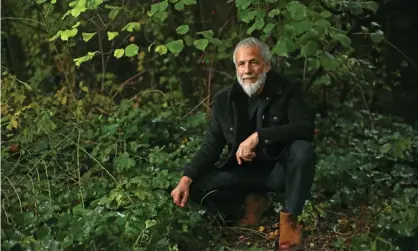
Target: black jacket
(283,116)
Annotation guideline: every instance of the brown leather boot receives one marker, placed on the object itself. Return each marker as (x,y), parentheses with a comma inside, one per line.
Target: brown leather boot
(255,206)
(290,233)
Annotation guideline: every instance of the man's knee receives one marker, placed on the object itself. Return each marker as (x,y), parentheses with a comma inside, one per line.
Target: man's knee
(302,152)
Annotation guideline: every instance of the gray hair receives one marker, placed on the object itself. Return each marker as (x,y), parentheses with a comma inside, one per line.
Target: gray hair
(251,41)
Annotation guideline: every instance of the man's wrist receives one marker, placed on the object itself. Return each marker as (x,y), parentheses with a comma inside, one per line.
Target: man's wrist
(186,180)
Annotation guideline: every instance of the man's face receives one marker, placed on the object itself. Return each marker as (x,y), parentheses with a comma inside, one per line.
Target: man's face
(251,69)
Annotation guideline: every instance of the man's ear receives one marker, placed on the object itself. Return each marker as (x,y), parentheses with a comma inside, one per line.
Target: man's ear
(268,67)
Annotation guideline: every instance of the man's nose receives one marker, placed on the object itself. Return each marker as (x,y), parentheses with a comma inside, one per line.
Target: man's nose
(247,69)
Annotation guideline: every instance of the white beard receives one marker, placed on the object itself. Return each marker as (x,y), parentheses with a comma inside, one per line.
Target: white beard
(252,88)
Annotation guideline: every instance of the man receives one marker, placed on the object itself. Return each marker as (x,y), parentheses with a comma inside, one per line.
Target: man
(268,128)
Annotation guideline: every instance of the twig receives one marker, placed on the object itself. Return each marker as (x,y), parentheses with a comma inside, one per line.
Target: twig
(367,107)
(21,18)
(247,229)
(209,85)
(18,197)
(93,158)
(192,110)
(220,72)
(127,81)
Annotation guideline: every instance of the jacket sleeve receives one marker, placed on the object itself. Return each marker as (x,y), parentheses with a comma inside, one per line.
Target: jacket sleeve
(301,123)
(211,148)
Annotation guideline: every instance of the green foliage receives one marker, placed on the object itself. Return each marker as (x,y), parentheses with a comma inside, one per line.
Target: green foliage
(101,148)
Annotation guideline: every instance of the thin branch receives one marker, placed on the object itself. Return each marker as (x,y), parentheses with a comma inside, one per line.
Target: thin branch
(21,18)
(192,110)
(17,194)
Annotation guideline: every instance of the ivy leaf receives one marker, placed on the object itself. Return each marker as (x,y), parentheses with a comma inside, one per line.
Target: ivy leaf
(309,49)
(377,36)
(132,26)
(297,10)
(111,35)
(124,162)
(201,44)
(87,36)
(55,36)
(179,6)
(118,53)
(161,49)
(313,64)
(343,39)
(80,60)
(325,14)
(257,25)
(114,11)
(206,34)
(274,12)
(65,35)
(175,46)
(76,25)
(216,41)
(157,7)
(247,15)
(323,80)
(182,29)
(242,4)
(328,61)
(371,5)
(189,2)
(161,16)
(131,50)
(283,46)
(323,26)
(301,27)
(268,28)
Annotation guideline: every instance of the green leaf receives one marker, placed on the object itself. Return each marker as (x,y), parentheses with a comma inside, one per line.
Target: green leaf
(132,26)
(268,28)
(216,41)
(158,7)
(328,61)
(309,49)
(242,4)
(112,34)
(274,12)
(162,16)
(325,14)
(80,60)
(257,25)
(301,27)
(76,25)
(297,10)
(370,5)
(377,36)
(175,46)
(161,49)
(179,6)
(323,26)
(55,36)
(189,2)
(65,35)
(284,46)
(131,50)
(118,53)
(114,11)
(343,39)
(386,148)
(247,15)
(206,34)
(124,162)
(182,29)
(88,36)
(323,80)
(150,223)
(201,44)
(313,64)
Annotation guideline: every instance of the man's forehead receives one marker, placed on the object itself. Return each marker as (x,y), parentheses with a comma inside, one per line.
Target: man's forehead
(246,53)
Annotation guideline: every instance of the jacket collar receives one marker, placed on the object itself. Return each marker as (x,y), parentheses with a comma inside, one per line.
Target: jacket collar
(272,87)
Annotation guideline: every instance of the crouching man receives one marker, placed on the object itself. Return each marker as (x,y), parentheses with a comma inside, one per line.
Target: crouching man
(267,126)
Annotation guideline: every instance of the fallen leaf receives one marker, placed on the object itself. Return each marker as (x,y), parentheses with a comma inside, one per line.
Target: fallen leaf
(261,228)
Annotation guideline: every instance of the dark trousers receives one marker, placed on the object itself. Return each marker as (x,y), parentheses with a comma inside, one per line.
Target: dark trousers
(293,173)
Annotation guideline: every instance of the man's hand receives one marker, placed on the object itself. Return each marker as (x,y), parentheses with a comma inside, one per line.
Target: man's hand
(246,149)
(180,194)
